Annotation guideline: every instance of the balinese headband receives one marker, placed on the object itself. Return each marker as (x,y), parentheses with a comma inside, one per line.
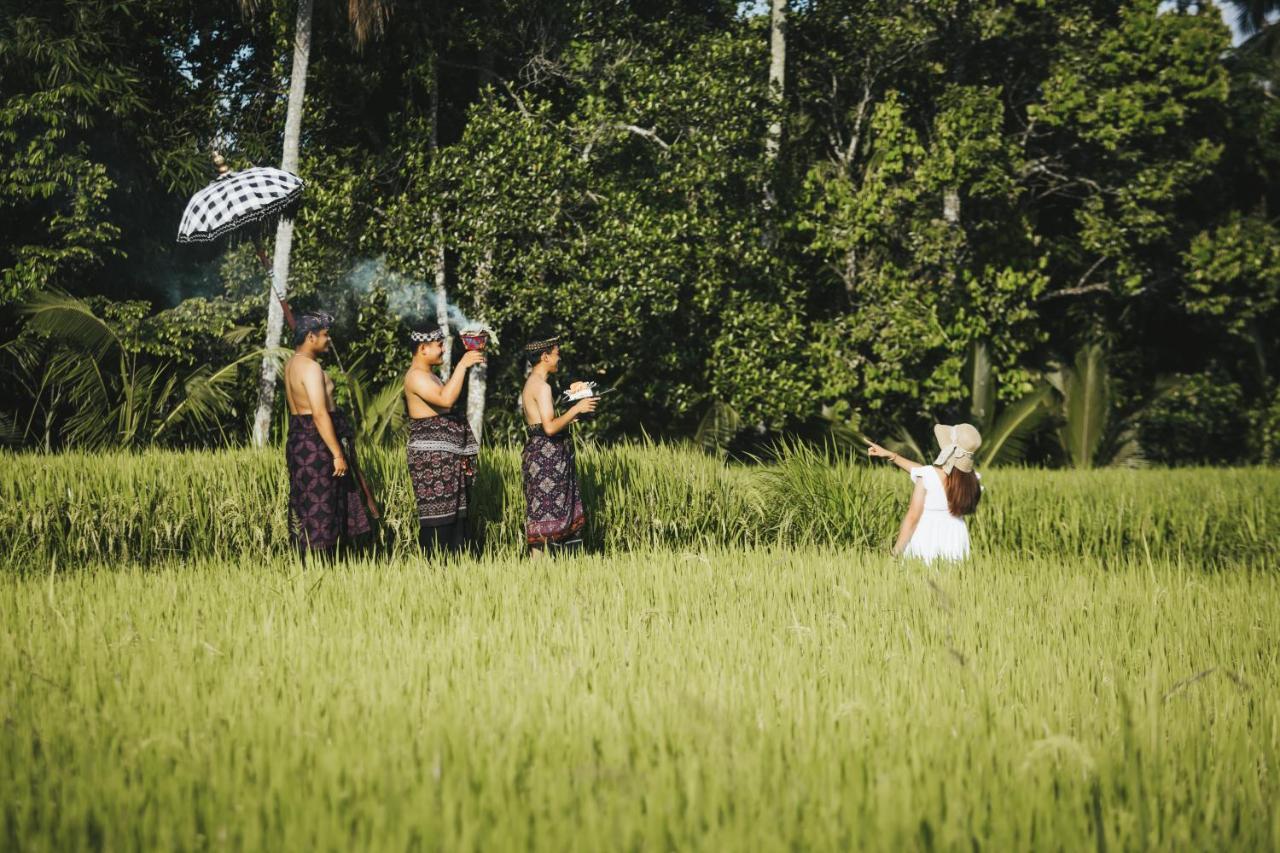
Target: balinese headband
(436,334)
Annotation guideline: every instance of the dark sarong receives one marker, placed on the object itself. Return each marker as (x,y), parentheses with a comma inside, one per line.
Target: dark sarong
(322,508)
(553,504)
(442,465)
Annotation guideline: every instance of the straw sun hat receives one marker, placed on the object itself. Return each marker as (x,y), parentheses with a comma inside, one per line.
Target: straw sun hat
(958,444)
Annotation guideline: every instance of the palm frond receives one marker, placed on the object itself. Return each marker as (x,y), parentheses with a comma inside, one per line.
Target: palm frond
(384,415)
(368,19)
(1005,443)
(982,390)
(237,335)
(1086,390)
(10,433)
(717,428)
(71,321)
(206,394)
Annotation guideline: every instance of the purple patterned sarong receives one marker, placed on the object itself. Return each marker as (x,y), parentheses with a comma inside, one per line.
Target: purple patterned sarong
(322,508)
(553,503)
(442,465)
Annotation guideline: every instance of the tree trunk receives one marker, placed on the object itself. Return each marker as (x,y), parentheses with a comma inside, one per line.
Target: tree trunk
(437,226)
(477,379)
(777,93)
(951,206)
(777,75)
(284,231)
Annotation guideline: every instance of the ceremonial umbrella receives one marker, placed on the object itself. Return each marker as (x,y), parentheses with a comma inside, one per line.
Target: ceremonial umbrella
(238,200)
(249,201)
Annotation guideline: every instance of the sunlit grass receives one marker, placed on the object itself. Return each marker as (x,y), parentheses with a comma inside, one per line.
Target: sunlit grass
(763,699)
(157,506)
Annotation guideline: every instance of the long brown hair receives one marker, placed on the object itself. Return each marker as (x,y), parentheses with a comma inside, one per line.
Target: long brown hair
(963,492)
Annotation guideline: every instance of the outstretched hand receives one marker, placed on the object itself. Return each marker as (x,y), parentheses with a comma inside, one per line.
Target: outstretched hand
(471,358)
(875,451)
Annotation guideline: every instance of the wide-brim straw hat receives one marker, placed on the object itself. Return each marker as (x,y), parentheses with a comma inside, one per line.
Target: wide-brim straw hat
(958,444)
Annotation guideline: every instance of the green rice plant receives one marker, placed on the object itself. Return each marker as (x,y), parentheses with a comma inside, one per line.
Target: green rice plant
(76,508)
(761,699)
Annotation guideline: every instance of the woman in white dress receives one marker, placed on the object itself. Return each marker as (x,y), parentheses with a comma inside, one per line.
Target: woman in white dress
(945,492)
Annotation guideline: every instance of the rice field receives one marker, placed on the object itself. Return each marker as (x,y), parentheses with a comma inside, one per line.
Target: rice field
(734,664)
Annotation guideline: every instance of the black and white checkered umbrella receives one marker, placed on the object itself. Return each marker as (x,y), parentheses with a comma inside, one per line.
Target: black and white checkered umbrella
(237,199)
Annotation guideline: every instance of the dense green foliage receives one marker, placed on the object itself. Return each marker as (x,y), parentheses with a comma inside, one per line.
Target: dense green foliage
(75,509)
(768,700)
(1008,184)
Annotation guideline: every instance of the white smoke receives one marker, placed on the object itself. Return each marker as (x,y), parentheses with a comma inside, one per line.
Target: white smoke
(408,299)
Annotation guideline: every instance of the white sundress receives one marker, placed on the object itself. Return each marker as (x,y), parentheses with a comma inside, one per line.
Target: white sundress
(939,535)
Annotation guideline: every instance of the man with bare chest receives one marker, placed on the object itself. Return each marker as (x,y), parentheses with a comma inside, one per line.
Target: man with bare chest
(553,503)
(442,448)
(325,505)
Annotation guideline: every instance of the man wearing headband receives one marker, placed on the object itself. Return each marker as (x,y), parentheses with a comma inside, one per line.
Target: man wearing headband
(553,503)
(442,448)
(325,504)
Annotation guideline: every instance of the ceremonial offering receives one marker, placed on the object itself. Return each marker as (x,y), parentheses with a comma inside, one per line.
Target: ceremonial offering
(587,389)
(474,339)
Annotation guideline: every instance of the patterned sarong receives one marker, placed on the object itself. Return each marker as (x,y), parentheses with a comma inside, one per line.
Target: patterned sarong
(553,504)
(442,465)
(322,508)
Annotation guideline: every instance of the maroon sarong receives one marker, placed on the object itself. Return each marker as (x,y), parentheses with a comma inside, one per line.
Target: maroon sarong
(553,504)
(322,508)
(442,465)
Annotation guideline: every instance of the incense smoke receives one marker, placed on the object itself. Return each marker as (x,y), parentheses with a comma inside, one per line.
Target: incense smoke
(409,300)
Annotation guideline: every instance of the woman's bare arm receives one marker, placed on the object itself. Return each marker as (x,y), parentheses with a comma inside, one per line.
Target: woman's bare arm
(909,521)
(876,451)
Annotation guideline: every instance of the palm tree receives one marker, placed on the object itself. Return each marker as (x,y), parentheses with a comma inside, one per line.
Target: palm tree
(367,18)
(1254,16)
(116,397)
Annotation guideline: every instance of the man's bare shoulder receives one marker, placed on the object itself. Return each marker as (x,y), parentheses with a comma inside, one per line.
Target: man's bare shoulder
(534,382)
(302,366)
(418,375)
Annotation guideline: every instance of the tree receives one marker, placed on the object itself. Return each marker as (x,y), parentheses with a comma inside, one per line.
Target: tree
(367,18)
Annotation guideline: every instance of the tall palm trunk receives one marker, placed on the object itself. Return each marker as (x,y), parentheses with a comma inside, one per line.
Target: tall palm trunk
(777,74)
(777,98)
(777,91)
(437,226)
(284,231)
(477,379)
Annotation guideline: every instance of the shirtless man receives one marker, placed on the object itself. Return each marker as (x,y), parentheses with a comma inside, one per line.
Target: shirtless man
(324,502)
(442,448)
(553,502)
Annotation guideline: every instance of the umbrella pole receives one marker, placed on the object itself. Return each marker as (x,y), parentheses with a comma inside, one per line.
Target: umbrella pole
(370,503)
(284,303)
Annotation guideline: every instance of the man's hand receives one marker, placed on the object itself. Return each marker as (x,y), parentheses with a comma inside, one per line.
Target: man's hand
(339,466)
(470,359)
(585,405)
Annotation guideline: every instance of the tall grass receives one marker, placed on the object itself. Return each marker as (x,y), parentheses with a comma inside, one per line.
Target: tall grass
(749,700)
(77,508)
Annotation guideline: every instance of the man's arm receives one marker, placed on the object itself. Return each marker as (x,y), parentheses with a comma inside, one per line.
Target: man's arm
(547,411)
(317,400)
(438,395)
